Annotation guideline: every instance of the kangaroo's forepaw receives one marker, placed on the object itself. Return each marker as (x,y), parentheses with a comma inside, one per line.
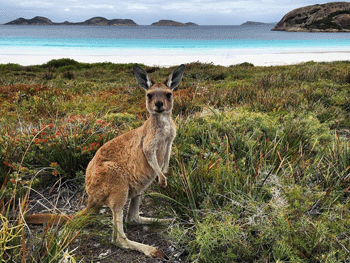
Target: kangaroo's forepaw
(163,183)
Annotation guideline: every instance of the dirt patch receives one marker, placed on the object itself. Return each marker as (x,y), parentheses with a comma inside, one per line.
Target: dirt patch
(94,244)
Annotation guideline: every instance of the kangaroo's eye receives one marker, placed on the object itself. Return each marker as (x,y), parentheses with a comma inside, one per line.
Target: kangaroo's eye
(168,95)
(149,96)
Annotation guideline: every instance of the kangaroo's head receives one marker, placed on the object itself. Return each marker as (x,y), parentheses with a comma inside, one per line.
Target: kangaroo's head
(159,96)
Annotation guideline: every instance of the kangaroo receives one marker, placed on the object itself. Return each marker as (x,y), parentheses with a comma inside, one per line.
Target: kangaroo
(126,165)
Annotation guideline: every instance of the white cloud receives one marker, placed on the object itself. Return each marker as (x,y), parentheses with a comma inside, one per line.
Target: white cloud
(137,7)
(228,11)
(90,7)
(36,4)
(198,6)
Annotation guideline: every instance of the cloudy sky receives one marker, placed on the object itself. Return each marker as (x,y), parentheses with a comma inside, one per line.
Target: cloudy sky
(145,12)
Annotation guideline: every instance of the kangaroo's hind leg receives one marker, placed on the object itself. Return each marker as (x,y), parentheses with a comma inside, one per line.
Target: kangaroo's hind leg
(120,238)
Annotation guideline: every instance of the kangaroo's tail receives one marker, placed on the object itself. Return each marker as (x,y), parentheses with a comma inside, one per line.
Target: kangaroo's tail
(40,219)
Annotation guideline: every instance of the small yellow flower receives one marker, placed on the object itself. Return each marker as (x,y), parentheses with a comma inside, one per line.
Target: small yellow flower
(36,98)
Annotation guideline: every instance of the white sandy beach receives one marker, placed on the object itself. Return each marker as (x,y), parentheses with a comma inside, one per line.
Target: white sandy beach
(164,57)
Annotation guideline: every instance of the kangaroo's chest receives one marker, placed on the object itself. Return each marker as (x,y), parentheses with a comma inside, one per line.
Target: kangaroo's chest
(163,139)
(165,131)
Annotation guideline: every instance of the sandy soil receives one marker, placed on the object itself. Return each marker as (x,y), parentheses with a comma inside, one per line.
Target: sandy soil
(95,245)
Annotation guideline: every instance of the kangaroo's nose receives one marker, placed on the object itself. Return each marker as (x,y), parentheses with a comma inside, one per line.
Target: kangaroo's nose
(159,104)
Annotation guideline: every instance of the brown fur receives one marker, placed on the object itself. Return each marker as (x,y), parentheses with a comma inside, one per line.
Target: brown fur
(125,166)
(40,219)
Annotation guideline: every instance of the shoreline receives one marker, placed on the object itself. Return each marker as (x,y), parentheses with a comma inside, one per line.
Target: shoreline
(170,57)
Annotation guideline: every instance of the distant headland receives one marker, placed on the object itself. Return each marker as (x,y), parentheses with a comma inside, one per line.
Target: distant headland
(330,17)
(95,21)
(172,23)
(253,23)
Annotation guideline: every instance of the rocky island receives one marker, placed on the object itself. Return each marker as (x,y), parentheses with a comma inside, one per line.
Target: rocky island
(253,23)
(38,20)
(330,17)
(101,21)
(95,21)
(172,23)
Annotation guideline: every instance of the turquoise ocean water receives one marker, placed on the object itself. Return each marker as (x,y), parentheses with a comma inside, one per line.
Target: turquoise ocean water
(212,37)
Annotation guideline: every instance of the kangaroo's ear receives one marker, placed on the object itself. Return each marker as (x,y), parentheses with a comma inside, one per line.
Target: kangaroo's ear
(175,77)
(142,78)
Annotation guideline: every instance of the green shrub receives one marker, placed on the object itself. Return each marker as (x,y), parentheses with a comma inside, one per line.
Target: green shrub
(68,74)
(63,62)
(11,67)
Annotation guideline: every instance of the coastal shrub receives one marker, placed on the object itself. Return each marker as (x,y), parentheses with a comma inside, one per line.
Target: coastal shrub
(68,74)
(57,63)
(120,119)
(211,74)
(62,149)
(214,238)
(219,151)
(7,153)
(243,65)
(117,68)
(94,72)
(241,143)
(50,73)
(70,68)
(68,149)
(150,70)
(239,163)
(10,67)
(306,132)
(33,69)
(187,101)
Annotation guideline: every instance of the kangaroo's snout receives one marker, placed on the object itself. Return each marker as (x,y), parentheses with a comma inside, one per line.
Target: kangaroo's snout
(159,104)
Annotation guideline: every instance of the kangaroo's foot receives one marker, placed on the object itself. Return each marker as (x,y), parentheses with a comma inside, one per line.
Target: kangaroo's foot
(149,251)
(140,220)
